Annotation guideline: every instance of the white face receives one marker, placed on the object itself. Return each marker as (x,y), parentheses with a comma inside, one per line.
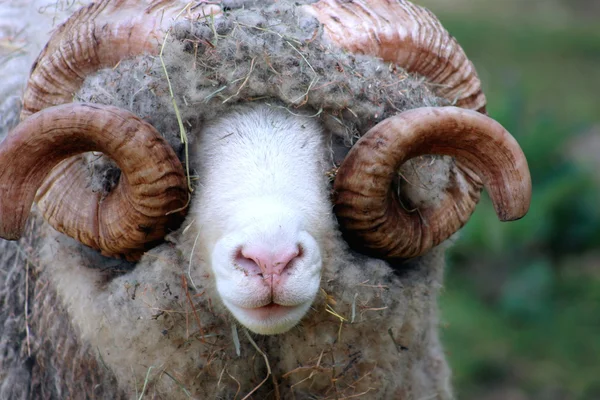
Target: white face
(268,272)
(263,211)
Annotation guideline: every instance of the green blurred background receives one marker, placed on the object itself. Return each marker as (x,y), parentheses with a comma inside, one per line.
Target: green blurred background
(521,306)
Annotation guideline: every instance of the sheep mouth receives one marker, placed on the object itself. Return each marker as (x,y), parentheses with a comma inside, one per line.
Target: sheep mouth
(271,318)
(269,311)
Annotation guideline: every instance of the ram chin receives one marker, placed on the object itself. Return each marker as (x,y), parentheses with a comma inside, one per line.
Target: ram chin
(270,319)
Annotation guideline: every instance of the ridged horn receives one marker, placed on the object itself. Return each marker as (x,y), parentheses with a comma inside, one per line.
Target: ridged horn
(369,209)
(97,36)
(405,34)
(412,37)
(133,216)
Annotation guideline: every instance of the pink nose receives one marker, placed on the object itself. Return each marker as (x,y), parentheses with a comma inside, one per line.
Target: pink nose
(271,262)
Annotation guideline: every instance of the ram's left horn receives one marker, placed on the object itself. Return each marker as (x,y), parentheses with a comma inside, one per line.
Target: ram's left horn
(132,217)
(368,207)
(407,35)
(412,37)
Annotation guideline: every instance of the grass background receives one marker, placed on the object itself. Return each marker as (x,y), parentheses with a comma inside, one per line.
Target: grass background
(521,307)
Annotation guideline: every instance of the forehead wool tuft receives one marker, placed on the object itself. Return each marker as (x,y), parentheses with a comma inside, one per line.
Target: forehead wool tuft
(272,54)
(275,55)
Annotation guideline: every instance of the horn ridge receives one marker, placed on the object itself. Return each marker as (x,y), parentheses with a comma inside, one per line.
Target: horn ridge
(97,36)
(484,150)
(133,216)
(407,35)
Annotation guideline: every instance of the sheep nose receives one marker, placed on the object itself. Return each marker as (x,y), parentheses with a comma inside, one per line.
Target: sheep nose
(271,262)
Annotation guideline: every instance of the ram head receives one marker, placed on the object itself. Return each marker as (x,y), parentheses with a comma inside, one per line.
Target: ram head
(283,169)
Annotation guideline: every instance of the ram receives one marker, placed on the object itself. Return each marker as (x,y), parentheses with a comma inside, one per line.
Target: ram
(221,200)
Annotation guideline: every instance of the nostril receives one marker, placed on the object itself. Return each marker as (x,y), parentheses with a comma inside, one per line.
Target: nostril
(271,262)
(284,260)
(245,264)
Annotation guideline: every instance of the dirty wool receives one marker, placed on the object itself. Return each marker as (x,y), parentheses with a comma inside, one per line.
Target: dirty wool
(77,325)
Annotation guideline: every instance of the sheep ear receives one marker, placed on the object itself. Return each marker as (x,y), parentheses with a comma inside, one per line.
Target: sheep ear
(131,217)
(367,205)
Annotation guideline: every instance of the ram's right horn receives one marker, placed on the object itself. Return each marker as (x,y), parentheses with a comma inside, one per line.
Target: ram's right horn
(131,218)
(368,208)
(97,36)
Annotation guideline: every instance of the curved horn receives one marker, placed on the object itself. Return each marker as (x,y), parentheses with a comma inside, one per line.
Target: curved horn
(97,36)
(407,35)
(129,218)
(412,37)
(368,208)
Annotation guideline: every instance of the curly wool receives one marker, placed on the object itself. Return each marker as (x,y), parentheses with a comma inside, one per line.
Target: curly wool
(41,355)
(273,55)
(367,321)
(147,311)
